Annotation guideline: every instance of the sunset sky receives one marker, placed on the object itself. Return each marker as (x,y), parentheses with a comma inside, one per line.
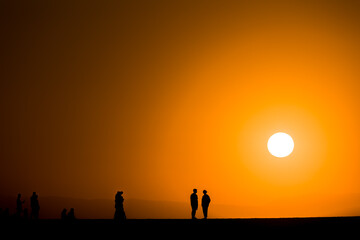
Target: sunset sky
(156,98)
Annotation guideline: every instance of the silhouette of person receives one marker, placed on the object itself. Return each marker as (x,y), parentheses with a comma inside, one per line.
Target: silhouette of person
(71,215)
(205,201)
(19,204)
(35,207)
(119,207)
(194,203)
(63,214)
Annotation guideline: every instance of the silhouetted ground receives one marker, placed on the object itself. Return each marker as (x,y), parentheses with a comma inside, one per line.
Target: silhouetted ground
(181,228)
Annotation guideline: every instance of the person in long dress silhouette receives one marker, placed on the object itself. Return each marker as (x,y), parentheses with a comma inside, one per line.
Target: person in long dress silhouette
(205,201)
(194,203)
(119,207)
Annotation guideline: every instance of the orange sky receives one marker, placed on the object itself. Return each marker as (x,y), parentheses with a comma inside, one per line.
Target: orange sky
(156,98)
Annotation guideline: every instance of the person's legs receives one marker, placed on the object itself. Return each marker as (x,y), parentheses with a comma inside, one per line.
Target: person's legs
(205,210)
(193,212)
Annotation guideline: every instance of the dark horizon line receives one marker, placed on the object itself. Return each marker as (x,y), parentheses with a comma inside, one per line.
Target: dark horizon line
(199,219)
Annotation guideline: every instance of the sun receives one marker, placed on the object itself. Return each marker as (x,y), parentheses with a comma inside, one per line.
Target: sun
(280,145)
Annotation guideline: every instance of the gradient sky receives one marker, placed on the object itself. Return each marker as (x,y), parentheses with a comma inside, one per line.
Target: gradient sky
(158,97)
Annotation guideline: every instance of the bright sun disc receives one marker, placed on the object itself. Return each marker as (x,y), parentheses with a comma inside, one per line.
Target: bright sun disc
(280,145)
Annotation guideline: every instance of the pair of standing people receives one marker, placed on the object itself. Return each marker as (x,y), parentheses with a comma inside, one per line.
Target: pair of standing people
(34,204)
(205,201)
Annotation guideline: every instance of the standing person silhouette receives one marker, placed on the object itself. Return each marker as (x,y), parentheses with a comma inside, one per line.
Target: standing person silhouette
(119,207)
(19,204)
(63,214)
(71,215)
(194,203)
(35,207)
(205,201)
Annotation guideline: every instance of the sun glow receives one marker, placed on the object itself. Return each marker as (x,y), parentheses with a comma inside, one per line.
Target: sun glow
(280,145)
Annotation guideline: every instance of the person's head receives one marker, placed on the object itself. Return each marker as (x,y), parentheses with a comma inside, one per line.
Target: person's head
(204,191)
(120,192)
(195,190)
(34,193)
(19,195)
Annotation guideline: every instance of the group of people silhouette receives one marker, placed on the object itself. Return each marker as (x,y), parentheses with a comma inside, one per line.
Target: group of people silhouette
(34,204)
(70,216)
(205,202)
(119,207)
(23,214)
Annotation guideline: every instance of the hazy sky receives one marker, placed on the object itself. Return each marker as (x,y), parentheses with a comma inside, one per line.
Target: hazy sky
(158,97)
